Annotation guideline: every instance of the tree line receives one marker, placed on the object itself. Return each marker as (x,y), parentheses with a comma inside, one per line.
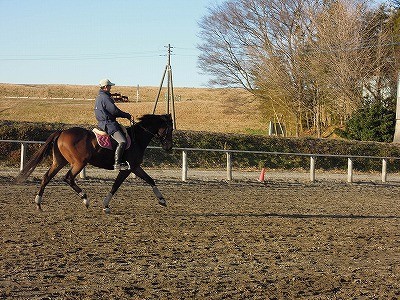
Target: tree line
(313,62)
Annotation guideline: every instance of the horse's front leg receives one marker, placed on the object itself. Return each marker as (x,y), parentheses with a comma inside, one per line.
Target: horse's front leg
(138,171)
(122,175)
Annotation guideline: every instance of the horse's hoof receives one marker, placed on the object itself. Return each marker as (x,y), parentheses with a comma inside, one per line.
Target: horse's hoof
(86,202)
(162,202)
(107,210)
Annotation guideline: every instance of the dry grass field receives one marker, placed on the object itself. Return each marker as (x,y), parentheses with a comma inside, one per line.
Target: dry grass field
(200,109)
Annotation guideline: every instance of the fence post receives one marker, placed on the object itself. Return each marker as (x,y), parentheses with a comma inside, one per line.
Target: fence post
(312,168)
(184,165)
(228,166)
(384,170)
(82,174)
(23,155)
(350,169)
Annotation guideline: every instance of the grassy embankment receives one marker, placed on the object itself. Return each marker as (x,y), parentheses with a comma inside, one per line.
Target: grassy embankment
(204,117)
(198,109)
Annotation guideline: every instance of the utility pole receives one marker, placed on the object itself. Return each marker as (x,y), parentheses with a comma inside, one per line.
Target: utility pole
(170,89)
(396,138)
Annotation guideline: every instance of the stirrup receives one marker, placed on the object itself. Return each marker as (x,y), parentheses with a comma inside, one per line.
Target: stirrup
(122,166)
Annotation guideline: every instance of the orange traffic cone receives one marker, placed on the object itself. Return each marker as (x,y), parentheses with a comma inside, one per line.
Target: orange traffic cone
(262,174)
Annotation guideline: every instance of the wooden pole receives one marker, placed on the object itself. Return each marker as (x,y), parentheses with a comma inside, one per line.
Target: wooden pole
(170,89)
(396,138)
(159,90)
(168,79)
(172,101)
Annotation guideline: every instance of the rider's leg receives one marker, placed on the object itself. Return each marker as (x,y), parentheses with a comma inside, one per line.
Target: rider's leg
(119,152)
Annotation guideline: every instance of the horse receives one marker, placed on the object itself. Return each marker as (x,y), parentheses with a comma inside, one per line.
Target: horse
(78,147)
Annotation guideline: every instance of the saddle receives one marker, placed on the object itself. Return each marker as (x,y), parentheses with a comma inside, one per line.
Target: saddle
(105,140)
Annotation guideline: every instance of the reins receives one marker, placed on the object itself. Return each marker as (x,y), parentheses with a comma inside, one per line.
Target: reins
(148,131)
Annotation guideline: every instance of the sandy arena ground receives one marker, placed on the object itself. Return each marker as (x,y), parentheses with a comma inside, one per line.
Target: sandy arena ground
(283,239)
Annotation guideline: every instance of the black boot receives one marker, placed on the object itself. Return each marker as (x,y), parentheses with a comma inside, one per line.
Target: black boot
(118,165)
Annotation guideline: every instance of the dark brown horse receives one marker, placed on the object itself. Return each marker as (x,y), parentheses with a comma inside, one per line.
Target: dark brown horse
(78,147)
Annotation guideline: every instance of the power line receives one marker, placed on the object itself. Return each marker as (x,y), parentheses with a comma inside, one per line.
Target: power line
(73,58)
(108,56)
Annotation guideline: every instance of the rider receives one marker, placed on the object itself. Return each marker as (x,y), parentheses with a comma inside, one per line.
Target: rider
(106,113)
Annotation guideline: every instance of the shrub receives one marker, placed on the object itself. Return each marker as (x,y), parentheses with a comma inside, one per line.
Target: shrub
(373,122)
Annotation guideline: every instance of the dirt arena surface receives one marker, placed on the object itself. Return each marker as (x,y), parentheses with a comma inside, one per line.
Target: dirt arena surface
(215,240)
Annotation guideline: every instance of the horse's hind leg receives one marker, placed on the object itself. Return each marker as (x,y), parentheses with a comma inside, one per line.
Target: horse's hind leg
(51,172)
(70,179)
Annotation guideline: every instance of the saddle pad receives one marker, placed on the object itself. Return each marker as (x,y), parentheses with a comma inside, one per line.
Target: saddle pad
(104,140)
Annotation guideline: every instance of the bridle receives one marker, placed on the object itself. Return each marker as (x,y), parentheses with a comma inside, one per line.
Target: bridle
(161,136)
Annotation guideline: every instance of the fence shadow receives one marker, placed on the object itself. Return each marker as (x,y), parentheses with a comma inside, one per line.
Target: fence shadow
(289,216)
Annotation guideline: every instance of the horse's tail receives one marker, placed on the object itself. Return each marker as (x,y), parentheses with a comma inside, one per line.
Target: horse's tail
(38,157)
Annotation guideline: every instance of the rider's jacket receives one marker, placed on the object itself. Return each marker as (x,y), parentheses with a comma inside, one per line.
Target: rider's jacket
(106,112)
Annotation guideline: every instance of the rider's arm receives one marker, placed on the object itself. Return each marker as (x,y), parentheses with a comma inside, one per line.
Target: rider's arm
(115,111)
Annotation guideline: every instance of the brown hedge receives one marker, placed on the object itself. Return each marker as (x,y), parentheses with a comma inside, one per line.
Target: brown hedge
(10,130)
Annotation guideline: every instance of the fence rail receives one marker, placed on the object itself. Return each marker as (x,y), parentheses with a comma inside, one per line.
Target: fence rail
(46,98)
(313,157)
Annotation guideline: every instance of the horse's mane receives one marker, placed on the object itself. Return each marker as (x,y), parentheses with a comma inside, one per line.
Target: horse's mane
(150,119)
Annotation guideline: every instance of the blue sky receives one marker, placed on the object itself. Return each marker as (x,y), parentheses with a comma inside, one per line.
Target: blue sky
(83,41)
(80,42)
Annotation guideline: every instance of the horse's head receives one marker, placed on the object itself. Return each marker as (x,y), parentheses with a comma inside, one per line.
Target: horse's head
(160,126)
(165,132)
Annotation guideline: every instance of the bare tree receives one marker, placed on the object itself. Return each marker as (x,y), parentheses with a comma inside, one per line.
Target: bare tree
(396,3)
(336,58)
(310,58)
(383,40)
(259,45)
(227,33)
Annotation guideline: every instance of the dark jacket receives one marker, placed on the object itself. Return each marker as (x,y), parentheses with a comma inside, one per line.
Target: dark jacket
(107,112)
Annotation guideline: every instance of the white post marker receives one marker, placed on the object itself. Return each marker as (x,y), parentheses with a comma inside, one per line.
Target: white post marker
(312,168)
(23,155)
(384,170)
(184,165)
(350,169)
(228,166)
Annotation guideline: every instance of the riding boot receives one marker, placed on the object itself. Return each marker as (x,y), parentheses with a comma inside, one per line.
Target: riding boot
(119,165)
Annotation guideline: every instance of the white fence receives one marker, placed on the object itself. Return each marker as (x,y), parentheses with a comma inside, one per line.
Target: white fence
(45,98)
(229,153)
